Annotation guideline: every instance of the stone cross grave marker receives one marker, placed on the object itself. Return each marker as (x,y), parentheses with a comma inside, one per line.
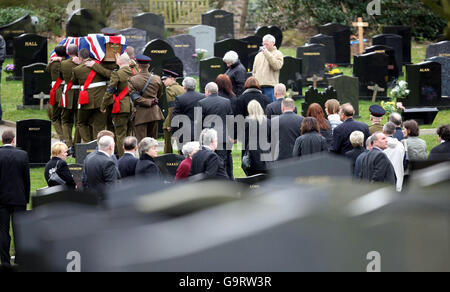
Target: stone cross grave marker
(41,96)
(376,88)
(360,25)
(315,79)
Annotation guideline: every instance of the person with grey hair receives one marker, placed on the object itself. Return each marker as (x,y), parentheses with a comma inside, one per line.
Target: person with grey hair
(357,140)
(267,66)
(100,170)
(146,166)
(206,161)
(274,108)
(396,153)
(396,119)
(358,164)
(189,150)
(236,71)
(185,106)
(127,164)
(215,110)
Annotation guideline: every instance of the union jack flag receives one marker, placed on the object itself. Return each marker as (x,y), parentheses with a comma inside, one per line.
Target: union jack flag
(66,42)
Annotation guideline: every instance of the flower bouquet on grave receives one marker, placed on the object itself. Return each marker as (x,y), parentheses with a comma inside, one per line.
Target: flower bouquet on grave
(398,93)
(9,68)
(200,54)
(332,70)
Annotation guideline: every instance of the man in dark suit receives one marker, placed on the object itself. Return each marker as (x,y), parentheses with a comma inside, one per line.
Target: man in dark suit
(215,110)
(289,125)
(396,118)
(442,151)
(341,134)
(99,169)
(376,167)
(127,164)
(14,189)
(185,108)
(205,161)
(274,109)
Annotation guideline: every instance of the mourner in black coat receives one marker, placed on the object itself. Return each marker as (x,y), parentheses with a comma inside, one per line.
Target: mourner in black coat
(238,76)
(341,135)
(254,146)
(62,171)
(127,165)
(209,163)
(249,95)
(289,130)
(99,170)
(309,143)
(440,152)
(376,167)
(274,108)
(354,154)
(147,167)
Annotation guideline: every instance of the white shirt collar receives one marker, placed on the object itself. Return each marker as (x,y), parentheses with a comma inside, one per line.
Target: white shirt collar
(8,145)
(104,153)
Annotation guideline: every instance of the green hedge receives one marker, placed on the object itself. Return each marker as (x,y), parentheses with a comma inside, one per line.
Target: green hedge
(8,15)
(289,13)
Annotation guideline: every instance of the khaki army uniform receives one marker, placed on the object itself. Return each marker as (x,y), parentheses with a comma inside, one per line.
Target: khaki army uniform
(90,120)
(172,92)
(375,128)
(111,66)
(147,114)
(70,106)
(118,82)
(55,111)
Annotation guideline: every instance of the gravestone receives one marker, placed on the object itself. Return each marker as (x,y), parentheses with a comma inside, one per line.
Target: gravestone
(371,69)
(14,29)
(424,82)
(77,172)
(168,164)
(159,51)
(240,47)
(423,116)
(28,49)
(291,74)
(209,70)
(394,41)
(84,149)
(85,21)
(153,24)
(184,48)
(445,63)
(441,49)
(272,30)
(254,181)
(34,137)
(328,42)
(253,45)
(405,33)
(205,37)
(136,38)
(393,66)
(313,59)
(223,21)
(36,79)
(313,95)
(341,34)
(347,89)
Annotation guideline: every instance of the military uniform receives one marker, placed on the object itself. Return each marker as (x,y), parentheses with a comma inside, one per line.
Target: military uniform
(90,120)
(120,120)
(378,112)
(55,111)
(172,92)
(375,128)
(148,113)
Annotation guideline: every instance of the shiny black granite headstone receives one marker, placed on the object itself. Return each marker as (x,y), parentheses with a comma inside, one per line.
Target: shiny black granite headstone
(14,29)
(240,47)
(184,48)
(341,34)
(394,41)
(424,81)
(291,74)
(313,95)
(77,172)
(36,79)
(85,21)
(223,21)
(55,195)
(347,89)
(28,49)
(445,63)
(34,137)
(253,45)
(405,32)
(393,66)
(423,116)
(153,24)
(159,51)
(313,57)
(84,149)
(136,38)
(328,42)
(441,49)
(168,164)
(272,30)
(371,69)
(209,70)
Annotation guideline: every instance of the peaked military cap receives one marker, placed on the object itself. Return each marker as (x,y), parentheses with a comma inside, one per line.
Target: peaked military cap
(377,111)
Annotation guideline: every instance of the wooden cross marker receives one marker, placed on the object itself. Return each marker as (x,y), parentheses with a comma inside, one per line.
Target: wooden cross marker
(376,88)
(41,96)
(360,25)
(315,79)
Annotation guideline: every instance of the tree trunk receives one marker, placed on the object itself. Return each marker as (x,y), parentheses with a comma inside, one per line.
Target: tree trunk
(244,16)
(220,4)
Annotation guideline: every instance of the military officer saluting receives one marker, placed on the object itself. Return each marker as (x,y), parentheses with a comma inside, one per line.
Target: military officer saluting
(54,67)
(118,96)
(173,90)
(145,90)
(376,117)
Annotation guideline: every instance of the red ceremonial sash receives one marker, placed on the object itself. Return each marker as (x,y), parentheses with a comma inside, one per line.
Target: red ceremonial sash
(117,99)
(55,87)
(64,96)
(134,71)
(84,95)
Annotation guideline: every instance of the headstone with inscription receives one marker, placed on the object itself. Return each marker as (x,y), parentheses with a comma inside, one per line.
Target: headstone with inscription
(136,38)
(313,57)
(222,20)
(406,34)
(36,80)
(441,49)
(341,34)
(291,74)
(28,49)
(84,149)
(77,173)
(272,30)
(253,45)
(371,69)
(153,24)
(184,48)
(209,70)
(394,41)
(85,21)
(14,29)
(347,89)
(328,42)
(168,164)
(240,47)
(393,65)
(445,64)
(34,137)
(159,51)
(205,37)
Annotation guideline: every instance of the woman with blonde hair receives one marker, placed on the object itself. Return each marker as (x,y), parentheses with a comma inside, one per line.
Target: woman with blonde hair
(332,108)
(57,171)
